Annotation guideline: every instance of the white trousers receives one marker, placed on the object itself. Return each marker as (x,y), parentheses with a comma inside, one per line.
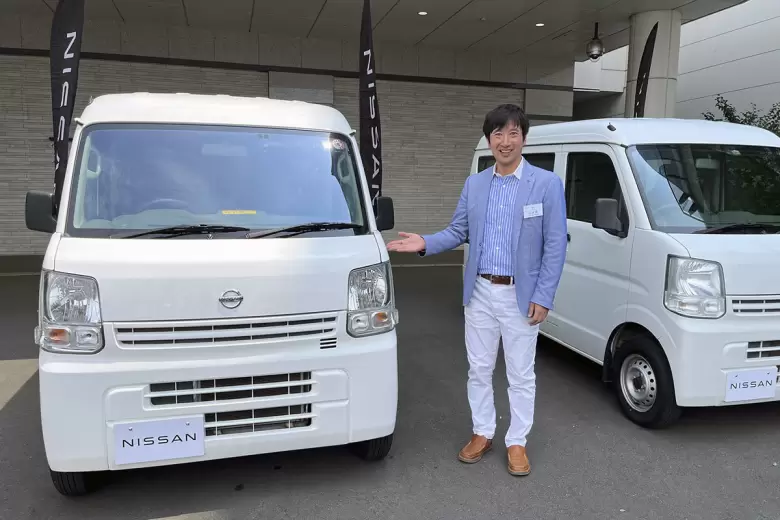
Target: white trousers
(493,314)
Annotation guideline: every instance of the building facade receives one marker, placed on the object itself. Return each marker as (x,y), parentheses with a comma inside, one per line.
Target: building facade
(432,104)
(733,53)
(439,73)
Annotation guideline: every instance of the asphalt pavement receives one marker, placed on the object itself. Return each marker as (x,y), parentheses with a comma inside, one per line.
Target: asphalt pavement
(588,462)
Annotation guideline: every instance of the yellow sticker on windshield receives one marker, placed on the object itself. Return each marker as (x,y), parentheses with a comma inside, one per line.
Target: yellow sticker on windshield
(239,212)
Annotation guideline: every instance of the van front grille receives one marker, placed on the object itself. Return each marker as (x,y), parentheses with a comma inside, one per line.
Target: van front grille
(258,420)
(229,389)
(225,331)
(763,350)
(752,306)
(328,343)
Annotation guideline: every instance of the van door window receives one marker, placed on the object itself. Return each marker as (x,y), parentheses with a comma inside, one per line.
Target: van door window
(590,176)
(485,162)
(545,161)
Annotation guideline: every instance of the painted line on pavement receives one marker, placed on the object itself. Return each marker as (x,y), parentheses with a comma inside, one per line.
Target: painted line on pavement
(14,373)
(205,515)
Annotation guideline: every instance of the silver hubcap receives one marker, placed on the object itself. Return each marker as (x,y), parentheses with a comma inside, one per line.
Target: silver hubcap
(638,383)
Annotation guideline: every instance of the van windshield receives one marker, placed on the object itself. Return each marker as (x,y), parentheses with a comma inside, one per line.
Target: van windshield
(694,188)
(142,177)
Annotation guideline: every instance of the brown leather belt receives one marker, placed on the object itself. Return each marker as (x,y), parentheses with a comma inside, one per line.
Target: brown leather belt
(501,280)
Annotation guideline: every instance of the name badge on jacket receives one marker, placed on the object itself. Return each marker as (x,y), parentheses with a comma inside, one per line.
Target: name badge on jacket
(532,210)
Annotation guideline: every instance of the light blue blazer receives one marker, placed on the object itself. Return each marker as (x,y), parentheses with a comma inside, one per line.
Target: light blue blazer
(539,242)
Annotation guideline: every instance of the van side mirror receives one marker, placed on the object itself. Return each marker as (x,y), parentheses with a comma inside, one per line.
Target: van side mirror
(385,214)
(39,211)
(607,217)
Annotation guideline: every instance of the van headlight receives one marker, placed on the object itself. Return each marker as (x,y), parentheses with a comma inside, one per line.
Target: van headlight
(69,318)
(694,288)
(371,301)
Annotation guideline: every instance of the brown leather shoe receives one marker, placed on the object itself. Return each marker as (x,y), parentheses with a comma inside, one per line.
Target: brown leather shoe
(475,449)
(518,464)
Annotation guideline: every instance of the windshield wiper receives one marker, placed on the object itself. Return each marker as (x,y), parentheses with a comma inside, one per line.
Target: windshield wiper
(739,227)
(304,228)
(175,231)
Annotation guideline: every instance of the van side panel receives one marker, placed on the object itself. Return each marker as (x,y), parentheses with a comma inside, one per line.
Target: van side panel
(593,292)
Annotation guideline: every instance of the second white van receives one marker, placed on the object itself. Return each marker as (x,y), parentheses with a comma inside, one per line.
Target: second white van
(671,280)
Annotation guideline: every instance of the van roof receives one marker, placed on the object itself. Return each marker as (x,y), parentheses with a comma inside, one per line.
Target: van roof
(183,108)
(631,131)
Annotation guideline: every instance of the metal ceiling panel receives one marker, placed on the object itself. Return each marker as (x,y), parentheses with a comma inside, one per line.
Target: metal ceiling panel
(478,20)
(273,17)
(99,10)
(25,8)
(494,27)
(340,19)
(404,25)
(153,12)
(232,14)
(556,15)
(701,8)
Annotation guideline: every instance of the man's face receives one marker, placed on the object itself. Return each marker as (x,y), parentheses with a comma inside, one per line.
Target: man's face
(507,144)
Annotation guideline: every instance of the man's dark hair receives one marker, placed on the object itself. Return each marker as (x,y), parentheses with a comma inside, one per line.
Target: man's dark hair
(501,116)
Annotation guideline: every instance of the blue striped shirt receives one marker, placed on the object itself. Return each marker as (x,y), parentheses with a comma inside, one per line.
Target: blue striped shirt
(497,257)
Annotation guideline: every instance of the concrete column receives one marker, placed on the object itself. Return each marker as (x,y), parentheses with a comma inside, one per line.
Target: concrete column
(661,97)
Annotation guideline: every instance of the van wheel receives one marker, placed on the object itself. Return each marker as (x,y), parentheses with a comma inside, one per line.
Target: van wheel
(74,484)
(643,383)
(374,449)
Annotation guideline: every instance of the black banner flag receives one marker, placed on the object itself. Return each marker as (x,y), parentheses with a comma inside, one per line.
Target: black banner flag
(65,53)
(370,133)
(643,75)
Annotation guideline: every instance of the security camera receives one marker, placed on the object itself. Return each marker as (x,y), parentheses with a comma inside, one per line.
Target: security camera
(595,48)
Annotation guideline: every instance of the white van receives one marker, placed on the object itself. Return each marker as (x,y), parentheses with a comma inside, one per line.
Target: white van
(215,285)
(672,275)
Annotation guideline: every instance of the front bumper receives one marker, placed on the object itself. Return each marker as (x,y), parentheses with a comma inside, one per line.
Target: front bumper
(730,361)
(250,400)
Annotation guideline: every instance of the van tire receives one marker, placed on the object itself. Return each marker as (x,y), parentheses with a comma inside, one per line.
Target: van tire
(374,449)
(74,484)
(640,361)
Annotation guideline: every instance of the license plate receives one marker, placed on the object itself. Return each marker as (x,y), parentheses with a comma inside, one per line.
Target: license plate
(747,385)
(159,440)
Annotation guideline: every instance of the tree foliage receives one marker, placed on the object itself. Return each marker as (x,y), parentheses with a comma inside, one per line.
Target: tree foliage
(753,181)
(768,121)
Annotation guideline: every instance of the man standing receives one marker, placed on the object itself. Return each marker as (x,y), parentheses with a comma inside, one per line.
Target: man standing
(514,217)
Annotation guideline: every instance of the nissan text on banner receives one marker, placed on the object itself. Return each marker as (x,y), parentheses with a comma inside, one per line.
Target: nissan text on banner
(370,134)
(65,52)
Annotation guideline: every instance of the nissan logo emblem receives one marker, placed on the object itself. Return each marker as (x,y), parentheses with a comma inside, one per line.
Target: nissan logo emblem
(231,299)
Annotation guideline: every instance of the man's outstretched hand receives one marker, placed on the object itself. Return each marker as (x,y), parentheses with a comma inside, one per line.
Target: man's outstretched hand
(411,243)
